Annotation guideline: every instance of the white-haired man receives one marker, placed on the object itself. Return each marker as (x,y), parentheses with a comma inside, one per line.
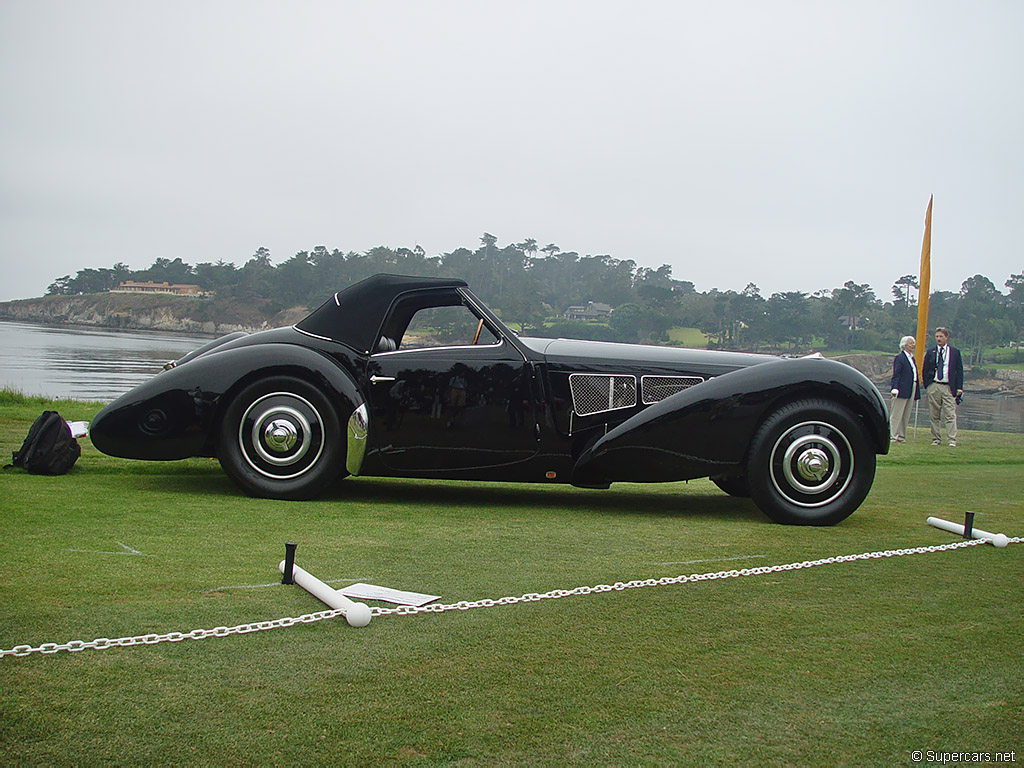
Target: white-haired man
(904,389)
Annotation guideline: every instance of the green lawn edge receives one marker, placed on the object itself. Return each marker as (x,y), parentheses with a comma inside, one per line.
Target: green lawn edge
(848,664)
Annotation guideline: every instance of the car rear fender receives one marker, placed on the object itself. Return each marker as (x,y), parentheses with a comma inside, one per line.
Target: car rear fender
(176,414)
(206,348)
(266,360)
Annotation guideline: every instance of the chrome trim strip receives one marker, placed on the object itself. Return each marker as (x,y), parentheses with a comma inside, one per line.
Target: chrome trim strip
(312,335)
(434,349)
(358,430)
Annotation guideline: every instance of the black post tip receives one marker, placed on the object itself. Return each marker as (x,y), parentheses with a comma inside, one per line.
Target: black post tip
(289,562)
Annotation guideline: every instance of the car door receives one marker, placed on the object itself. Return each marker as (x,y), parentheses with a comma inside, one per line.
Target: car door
(451,393)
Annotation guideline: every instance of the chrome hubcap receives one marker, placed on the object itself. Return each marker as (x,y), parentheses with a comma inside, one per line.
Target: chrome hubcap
(281,435)
(811,464)
(808,460)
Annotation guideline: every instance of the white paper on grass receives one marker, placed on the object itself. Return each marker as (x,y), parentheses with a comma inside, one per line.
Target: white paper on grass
(373,592)
(79,428)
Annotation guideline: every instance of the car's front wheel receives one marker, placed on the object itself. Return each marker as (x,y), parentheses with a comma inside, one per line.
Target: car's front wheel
(811,463)
(280,438)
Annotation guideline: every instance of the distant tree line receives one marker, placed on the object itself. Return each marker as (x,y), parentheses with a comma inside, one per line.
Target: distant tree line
(531,288)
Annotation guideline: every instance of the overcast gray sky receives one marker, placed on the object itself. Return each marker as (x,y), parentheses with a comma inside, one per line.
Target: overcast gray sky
(789,144)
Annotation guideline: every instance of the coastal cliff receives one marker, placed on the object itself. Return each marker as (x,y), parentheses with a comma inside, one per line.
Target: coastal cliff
(175,314)
(878,368)
(211,316)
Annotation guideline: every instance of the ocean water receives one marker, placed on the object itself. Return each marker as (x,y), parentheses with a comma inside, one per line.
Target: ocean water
(96,364)
(84,363)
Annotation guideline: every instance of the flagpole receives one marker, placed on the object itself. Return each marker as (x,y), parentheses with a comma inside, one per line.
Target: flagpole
(923,292)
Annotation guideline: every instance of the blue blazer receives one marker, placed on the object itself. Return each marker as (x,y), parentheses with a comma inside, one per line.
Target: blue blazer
(955,366)
(903,378)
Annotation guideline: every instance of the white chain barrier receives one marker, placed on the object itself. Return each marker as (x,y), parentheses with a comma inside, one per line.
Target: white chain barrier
(103,643)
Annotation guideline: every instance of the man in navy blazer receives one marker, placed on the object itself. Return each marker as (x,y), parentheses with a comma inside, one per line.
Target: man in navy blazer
(944,382)
(904,389)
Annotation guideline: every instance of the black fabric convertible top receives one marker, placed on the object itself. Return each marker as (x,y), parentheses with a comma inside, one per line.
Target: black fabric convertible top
(354,316)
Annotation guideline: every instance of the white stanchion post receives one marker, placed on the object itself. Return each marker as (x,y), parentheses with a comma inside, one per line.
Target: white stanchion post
(356,614)
(995,539)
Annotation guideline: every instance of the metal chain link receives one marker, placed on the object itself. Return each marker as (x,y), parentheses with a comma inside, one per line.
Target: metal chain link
(103,643)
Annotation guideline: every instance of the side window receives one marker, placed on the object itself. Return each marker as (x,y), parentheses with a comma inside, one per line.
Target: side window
(445,327)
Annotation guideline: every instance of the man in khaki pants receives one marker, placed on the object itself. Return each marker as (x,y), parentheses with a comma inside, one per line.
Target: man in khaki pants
(904,390)
(944,382)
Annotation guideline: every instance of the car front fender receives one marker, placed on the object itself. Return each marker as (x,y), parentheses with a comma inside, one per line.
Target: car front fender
(706,429)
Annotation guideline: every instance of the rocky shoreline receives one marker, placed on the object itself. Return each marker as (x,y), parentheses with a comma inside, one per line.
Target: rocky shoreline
(878,368)
(215,317)
(172,314)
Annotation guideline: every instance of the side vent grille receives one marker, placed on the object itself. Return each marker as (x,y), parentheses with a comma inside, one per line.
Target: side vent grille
(657,388)
(597,393)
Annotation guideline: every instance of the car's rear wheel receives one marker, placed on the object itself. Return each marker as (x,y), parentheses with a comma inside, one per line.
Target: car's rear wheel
(811,463)
(280,438)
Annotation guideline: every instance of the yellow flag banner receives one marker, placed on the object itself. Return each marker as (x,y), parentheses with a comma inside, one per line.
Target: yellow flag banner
(924,282)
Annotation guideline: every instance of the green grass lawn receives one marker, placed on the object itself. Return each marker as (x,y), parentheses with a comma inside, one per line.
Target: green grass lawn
(848,664)
(688,337)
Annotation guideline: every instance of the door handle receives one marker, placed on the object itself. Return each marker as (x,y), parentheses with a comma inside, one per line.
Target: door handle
(375,379)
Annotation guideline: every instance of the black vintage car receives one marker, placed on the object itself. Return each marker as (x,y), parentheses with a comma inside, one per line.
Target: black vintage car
(414,377)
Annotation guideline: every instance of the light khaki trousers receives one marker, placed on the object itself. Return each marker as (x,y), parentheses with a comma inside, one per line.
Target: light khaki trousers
(899,416)
(941,411)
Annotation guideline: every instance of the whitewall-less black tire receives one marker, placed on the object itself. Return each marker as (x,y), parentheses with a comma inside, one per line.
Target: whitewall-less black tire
(811,463)
(281,439)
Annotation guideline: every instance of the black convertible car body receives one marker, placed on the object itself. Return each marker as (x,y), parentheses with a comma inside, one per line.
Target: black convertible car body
(414,377)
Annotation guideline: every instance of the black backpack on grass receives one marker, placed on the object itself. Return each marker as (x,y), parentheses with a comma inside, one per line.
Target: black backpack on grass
(49,448)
